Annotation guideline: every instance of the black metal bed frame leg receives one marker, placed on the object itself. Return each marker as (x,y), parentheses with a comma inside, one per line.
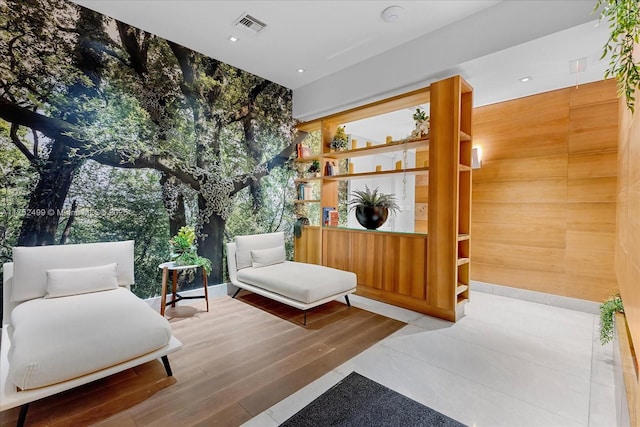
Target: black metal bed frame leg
(23,415)
(346,297)
(167,366)
(237,292)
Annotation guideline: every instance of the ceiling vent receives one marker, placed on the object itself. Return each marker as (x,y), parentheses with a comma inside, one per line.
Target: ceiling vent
(250,24)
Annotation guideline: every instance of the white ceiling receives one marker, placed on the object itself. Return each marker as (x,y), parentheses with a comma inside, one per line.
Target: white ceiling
(330,39)
(319,36)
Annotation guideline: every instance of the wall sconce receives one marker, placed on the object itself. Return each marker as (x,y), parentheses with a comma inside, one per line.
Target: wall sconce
(476,157)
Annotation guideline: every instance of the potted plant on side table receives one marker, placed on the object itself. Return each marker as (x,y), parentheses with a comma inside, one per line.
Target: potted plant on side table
(184,250)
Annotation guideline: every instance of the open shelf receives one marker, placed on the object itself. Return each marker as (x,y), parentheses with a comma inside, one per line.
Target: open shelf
(415,171)
(462,261)
(391,147)
(462,237)
(304,180)
(461,288)
(464,168)
(306,201)
(464,136)
(308,159)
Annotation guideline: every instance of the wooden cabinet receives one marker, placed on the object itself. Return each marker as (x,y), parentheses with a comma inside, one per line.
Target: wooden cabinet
(428,272)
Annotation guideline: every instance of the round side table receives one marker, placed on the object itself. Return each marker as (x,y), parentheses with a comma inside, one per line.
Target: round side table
(175,297)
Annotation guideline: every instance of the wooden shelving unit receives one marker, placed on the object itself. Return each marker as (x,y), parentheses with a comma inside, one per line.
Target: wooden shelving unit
(391,147)
(413,171)
(428,273)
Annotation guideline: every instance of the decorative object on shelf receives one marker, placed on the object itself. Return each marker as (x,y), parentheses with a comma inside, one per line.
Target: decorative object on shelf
(297,226)
(399,165)
(372,207)
(314,169)
(624,26)
(184,250)
(330,168)
(354,143)
(608,308)
(339,141)
(422,123)
(378,168)
(369,144)
(351,166)
(389,139)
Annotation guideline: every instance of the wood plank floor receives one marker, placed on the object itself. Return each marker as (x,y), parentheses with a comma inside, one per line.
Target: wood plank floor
(239,359)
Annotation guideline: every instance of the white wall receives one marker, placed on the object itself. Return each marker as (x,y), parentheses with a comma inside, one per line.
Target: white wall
(424,60)
(401,185)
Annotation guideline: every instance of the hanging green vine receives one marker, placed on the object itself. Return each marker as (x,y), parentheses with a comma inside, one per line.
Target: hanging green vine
(624,25)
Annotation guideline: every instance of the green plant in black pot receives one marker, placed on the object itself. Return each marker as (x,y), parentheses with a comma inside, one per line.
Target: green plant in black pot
(608,309)
(184,250)
(372,207)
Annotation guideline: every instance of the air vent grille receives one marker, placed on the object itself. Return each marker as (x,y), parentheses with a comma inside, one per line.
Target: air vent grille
(250,23)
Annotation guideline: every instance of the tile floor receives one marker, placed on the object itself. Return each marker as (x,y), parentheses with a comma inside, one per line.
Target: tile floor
(508,362)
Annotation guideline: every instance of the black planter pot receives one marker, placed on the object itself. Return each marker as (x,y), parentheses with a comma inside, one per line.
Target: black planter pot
(371,217)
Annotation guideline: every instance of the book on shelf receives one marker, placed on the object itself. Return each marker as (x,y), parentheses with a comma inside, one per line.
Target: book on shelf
(304,191)
(330,169)
(307,192)
(302,151)
(333,218)
(326,215)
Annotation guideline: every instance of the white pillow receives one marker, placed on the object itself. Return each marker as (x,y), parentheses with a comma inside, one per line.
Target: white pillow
(246,244)
(63,282)
(265,257)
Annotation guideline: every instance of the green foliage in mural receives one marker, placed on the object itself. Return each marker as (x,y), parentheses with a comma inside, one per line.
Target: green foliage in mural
(97,112)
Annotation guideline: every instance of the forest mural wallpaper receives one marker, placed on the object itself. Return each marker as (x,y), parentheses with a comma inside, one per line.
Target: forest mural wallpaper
(110,133)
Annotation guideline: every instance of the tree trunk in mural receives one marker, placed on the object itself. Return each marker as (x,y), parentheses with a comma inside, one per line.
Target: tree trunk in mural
(41,219)
(211,243)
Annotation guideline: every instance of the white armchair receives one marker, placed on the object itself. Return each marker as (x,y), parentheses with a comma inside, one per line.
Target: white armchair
(69,318)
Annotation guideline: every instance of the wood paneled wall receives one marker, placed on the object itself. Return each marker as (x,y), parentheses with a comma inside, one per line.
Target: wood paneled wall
(544,201)
(627,241)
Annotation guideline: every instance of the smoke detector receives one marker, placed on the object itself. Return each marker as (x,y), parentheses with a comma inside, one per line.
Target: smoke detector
(249,23)
(392,14)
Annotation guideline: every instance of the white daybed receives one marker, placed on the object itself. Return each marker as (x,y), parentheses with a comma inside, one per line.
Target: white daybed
(69,318)
(257,263)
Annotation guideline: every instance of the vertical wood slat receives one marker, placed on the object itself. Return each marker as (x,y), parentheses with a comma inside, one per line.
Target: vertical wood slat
(338,253)
(387,262)
(306,247)
(444,145)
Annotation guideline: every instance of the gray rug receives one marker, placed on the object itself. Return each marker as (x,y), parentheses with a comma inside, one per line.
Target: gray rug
(358,401)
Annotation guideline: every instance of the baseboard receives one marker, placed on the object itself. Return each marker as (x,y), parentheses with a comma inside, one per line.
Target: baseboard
(590,307)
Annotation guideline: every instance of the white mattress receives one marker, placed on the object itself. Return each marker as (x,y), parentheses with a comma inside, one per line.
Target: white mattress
(302,282)
(57,339)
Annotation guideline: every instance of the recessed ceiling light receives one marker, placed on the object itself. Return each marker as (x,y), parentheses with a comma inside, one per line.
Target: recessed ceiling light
(301,70)
(233,39)
(392,14)
(525,79)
